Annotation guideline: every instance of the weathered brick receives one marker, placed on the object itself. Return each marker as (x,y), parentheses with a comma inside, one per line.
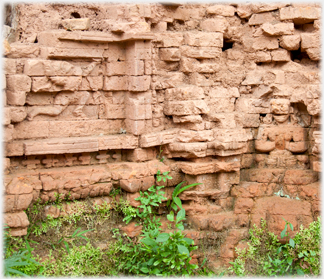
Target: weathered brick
(76,24)
(278,29)
(290,42)
(204,39)
(170,54)
(139,83)
(218,24)
(310,40)
(223,10)
(115,83)
(300,15)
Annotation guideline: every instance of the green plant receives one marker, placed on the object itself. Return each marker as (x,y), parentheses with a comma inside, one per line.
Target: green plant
(81,261)
(169,252)
(19,262)
(159,156)
(103,212)
(162,176)
(73,237)
(163,254)
(128,211)
(115,191)
(266,256)
(175,200)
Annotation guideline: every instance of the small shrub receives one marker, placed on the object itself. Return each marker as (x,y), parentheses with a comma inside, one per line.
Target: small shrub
(265,255)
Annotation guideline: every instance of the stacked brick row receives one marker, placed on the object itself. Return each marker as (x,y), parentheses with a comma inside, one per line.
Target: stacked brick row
(223,95)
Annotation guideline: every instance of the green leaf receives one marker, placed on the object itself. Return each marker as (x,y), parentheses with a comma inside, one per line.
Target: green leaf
(156,262)
(171,216)
(162,237)
(156,271)
(313,253)
(291,226)
(289,260)
(190,241)
(177,201)
(150,262)
(187,187)
(183,250)
(66,246)
(180,227)
(75,232)
(148,241)
(292,243)
(176,190)
(300,255)
(300,272)
(174,207)
(165,254)
(283,233)
(11,270)
(144,269)
(181,215)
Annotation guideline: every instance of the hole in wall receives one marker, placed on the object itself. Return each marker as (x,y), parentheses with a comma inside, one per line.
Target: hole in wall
(307,27)
(298,55)
(227,45)
(36,41)
(75,15)
(179,21)
(170,26)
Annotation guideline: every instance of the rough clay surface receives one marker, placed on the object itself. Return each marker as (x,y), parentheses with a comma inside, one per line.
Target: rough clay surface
(227,95)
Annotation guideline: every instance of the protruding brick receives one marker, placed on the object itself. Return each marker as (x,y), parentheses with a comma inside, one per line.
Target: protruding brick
(223,10)
(16,220)
(19,50)
(52,52)
(263,43)
(204,39)
(263,56)
(185,107)
(310,40)
(290,42)
(258,19)
(141,154)
(184,93)
(300,15)
(76,24)
(61,146)
(201,52)
(278,29)
(218,24)
(170,54)
(300,177)
(314,53)
(282,55)
(17,114)
(168,39)
(158,138)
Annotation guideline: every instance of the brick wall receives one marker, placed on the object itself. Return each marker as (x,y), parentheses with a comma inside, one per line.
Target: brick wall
(230,93)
